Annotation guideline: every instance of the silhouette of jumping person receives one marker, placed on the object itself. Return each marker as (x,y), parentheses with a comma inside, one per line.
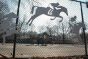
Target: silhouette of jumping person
(53,6)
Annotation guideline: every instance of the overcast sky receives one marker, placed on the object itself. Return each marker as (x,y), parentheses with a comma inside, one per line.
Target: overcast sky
(72,7)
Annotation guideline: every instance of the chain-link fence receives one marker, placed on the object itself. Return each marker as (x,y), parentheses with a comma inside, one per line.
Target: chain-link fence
(43,29)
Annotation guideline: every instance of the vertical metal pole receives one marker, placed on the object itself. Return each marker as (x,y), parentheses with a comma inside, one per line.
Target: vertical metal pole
(14,46)
(83,27)
(63,33)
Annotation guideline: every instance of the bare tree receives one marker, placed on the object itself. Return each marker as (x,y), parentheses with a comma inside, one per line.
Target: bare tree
(42,29)
(49,30)
(7,27)
(3,9)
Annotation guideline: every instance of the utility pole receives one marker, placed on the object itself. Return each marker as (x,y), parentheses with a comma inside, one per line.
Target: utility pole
(15,35)
(83,25)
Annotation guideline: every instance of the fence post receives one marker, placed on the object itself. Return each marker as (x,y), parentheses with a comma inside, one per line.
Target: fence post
(83,27)
(15,36)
